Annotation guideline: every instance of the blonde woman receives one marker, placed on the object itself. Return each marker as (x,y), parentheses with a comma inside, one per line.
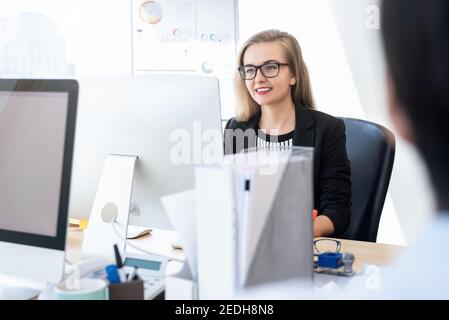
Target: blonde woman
(276,110)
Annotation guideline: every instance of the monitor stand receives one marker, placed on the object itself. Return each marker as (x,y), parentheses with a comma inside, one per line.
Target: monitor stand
(112,203)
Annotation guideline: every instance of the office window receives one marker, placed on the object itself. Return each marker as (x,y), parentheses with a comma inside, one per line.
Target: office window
(65,38)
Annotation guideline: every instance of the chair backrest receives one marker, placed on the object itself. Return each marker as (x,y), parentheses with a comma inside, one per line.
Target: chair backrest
(371,150)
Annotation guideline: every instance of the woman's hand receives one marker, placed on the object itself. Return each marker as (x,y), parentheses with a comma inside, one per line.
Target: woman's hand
(322,226)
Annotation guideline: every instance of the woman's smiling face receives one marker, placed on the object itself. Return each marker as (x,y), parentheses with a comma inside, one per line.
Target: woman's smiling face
(268,91)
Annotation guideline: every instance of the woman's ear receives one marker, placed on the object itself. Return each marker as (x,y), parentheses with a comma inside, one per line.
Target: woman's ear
(292,81)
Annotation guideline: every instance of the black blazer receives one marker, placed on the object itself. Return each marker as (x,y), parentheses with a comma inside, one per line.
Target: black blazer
(332,169)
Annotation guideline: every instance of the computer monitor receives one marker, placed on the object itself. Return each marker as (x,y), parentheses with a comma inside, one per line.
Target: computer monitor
(170,122)
(37,128)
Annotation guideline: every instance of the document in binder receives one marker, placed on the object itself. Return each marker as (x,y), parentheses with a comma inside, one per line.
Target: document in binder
(257,207)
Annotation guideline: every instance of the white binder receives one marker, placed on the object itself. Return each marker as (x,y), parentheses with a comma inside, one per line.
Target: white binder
(256,235)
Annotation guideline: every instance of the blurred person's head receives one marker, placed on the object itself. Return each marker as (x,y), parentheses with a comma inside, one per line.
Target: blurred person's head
(416,41)
(292,82)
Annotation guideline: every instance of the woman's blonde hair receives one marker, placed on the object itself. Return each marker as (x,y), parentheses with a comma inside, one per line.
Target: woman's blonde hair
(301,90)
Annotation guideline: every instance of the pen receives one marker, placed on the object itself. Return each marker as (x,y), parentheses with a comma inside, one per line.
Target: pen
(118,260)
(242,224)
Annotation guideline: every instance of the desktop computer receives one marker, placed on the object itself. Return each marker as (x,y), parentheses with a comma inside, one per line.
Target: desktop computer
(37,129)
(138,139)
(171,123)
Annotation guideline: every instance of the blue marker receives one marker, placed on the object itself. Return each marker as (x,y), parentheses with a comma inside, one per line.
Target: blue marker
(112,273)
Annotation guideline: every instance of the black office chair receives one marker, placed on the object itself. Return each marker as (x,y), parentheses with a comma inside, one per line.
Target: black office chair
(371,149)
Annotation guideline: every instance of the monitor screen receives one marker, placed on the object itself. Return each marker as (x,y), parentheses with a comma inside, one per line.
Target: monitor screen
(31,162)
(37,125)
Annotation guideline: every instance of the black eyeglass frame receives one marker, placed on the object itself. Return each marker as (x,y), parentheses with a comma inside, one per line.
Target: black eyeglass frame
(337,245)
(241,69)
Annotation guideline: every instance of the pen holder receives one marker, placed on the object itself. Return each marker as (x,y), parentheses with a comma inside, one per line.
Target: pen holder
(131,290)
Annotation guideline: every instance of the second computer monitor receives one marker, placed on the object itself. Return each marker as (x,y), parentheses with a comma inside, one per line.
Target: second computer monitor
(171,122)
(37,127)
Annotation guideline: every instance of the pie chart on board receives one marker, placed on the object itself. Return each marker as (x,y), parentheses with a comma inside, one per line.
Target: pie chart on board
(151,12)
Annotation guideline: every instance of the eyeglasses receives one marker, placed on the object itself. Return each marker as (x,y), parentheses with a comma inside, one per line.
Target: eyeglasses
(269,70)
(326,245)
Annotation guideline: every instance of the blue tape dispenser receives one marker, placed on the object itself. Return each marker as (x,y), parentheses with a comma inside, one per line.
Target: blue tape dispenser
(335,263)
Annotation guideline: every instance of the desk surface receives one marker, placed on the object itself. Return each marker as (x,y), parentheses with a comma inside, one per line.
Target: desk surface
(160,242)
(369,252)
